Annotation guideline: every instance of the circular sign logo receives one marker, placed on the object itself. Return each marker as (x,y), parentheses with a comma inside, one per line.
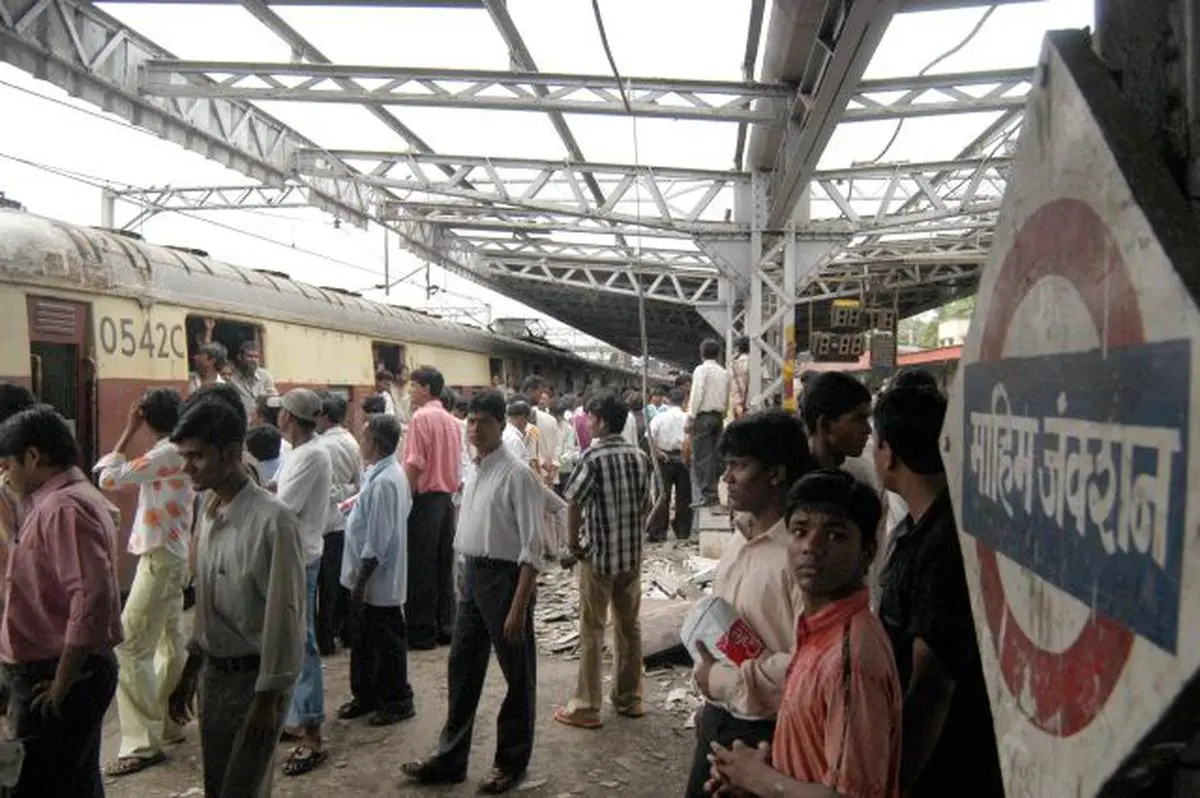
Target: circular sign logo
(1067,239)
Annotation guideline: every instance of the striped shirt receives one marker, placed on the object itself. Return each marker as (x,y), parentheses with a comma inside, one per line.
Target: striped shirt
(614,486)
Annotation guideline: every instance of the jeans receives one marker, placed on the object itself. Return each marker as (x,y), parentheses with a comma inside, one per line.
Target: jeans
(308,696)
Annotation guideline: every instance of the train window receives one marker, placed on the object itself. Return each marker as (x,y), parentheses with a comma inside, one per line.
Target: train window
(388,356)
(228,333)
(496,368)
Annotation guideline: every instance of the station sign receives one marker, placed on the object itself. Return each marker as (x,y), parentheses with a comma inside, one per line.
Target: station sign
(1071,444)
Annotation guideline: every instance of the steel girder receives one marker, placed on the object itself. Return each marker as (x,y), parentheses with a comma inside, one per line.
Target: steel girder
(216,198)
(91,55)
(939,95)
(463,88)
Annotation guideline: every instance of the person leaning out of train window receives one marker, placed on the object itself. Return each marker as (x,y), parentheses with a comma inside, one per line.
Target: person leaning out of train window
(383,388)
(210,361)
(153,612)
(249,378)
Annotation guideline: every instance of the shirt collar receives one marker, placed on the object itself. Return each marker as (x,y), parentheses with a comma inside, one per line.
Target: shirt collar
(383,465)
(936,512)
(226,512)
(777,532)
(836,614)
(57,482)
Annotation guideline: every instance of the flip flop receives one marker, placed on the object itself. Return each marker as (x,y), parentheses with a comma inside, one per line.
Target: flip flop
(128,765)
(303,759)
(567,719)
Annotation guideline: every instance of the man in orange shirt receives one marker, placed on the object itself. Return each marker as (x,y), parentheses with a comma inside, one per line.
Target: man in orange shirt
(838,728)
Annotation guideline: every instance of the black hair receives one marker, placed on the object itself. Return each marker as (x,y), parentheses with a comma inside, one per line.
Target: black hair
(461,404)
(266,412)
(682,380)
(675,396)
(449,398)
(832,395)
(773,438)
(211,420)
(246,346)
(488,403)
(384,375)
(333,406)
(374,404)
(710,349)
(633,400)
(384,432)
(741,345)
(519,408)
(39,427)
(914,378)
(160,407)
(431,378)
(834,491)
(219,392)
(264,442)
(611,409)
(532,383)
(909,420)
(215,350)
(13,399)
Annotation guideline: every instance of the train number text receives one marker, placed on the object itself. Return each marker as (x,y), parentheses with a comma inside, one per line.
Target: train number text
(127,337)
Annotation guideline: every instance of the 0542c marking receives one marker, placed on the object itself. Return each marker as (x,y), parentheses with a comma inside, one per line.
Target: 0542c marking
(126,336)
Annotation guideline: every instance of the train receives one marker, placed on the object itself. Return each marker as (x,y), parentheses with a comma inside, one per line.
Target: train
(92,318)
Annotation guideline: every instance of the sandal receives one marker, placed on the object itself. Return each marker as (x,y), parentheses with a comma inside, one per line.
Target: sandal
(567,719)
(499,782)
(128,765)
(303,759)
(427,771)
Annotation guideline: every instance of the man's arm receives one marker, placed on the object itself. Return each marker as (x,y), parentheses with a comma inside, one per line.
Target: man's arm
(303,477)
(157,464)
(415,452)
(281,568)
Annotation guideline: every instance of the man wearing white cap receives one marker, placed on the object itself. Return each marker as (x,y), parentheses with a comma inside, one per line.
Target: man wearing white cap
(303,485)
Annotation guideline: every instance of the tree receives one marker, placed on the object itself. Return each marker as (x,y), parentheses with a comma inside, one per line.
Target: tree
(958,309)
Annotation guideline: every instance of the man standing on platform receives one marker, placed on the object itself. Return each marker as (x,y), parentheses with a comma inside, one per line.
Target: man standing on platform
(499,541)
(706,416)
(347,462)
(431,462)
(609,494)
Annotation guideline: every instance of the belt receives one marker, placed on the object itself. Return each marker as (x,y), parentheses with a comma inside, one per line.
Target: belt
(672,452)
(250,662)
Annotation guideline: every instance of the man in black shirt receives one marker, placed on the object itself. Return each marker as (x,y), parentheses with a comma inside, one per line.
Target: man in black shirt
(926,610)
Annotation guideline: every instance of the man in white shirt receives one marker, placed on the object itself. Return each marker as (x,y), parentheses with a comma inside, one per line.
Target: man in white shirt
(304,486)
(375,572)
(347,462)
(706,416)
(666,433)
(539,399)
(499,543)
(521,436)
(248,630)
(152,614)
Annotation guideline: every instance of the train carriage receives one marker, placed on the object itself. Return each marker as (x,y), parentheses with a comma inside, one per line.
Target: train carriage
(92,318)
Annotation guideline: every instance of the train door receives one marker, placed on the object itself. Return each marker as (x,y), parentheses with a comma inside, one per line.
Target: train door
(63,373)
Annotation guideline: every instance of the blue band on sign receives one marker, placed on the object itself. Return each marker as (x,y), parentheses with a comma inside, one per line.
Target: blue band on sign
(1076,469)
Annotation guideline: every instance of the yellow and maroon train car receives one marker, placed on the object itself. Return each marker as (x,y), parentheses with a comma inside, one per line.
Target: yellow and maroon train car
(92,318)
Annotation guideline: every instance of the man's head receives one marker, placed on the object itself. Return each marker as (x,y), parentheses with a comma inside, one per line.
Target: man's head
(248,355)
(426,384)
(209,437)
(741,345)
(765,453)
(333,410)
(913,378)
(607,414)
(384,380)
(710,349)
(373,405)
(518,413)
(536,389)
(210,358)
(837,409)
(657,395)
(264,442)
(908,426)
(13,399)
(461,406)
(35,445)
(160,408)
(675,397)
(485,421)
(379,439)
(633,401)
(221,392)
(832,520)
(299,410)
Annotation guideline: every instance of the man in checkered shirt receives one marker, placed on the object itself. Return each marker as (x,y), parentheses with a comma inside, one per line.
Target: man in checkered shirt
(610,492)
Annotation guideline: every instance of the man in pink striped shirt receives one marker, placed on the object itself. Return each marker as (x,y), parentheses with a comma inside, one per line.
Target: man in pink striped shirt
(62,613)
(431,462)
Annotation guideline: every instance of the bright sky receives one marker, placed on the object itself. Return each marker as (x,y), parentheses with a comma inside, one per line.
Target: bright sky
(649,38)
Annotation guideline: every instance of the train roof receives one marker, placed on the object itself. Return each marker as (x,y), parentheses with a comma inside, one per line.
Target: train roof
(38,250)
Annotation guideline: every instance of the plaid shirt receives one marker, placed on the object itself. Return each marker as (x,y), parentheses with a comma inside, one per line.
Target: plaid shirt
(614,485)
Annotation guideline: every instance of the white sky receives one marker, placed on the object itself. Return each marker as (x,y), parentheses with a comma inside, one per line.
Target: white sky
(649,38)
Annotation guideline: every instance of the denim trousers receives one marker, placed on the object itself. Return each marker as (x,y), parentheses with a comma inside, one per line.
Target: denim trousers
(308,696)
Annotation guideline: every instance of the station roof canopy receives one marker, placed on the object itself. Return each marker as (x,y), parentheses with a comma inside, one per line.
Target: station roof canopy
(534,163)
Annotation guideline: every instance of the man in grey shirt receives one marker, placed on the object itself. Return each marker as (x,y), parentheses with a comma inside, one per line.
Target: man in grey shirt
(248,629)
(347,460)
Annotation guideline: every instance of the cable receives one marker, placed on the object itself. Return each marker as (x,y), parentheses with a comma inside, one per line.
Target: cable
(951,52)
(612,62)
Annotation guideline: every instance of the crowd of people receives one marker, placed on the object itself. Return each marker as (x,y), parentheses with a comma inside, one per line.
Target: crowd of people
(426,526)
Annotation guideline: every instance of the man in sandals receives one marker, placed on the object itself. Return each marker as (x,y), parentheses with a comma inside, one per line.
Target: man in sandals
(499,542)
(152,615)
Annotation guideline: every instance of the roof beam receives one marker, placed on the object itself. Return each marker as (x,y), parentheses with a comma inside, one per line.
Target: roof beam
(461,88)
(937,95)
(217,198)
(91,55)
(428,4)
(909,6)
(612,255)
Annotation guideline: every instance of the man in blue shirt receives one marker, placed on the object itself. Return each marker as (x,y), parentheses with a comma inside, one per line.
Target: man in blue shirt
(375,571)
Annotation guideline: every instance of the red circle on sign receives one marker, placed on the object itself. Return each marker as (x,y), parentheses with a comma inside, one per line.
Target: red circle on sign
(1067,239)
